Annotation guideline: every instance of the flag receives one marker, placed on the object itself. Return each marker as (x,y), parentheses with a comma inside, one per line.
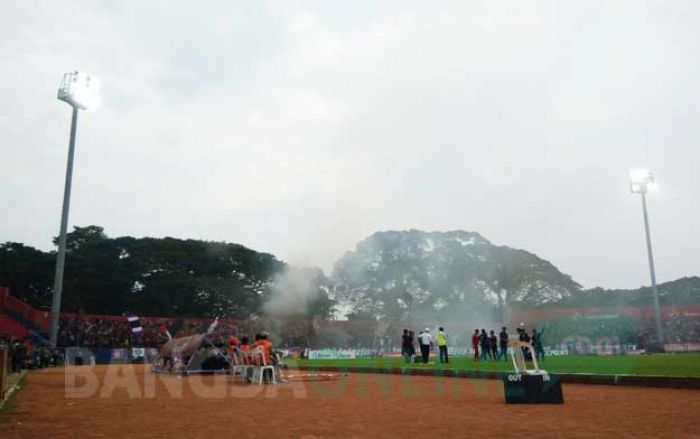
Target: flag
(164,328)
(135,324)
(213,326)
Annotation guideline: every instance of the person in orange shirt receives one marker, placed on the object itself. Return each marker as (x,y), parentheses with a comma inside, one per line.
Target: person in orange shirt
(271,358)
(263,340)
(232,344)
(245,349)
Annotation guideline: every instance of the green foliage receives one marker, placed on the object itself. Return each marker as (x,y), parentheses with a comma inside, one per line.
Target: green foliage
(81,236)
(682,291)
(517,277)
(27,270)
(390,278)
(149,276)
(451,276)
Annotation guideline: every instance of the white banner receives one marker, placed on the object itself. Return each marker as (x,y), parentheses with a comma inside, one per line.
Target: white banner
(138,352)
(332,354)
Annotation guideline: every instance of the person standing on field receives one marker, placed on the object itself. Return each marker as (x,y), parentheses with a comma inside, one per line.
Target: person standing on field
(524,337)
(442,345)
(475,344)
(425,340)
(405,350)
(503,340)
(537,343)
(485,346)
(411,346)
(493,344)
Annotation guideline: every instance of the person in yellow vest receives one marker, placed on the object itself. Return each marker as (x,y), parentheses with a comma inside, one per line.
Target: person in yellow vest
(442,345)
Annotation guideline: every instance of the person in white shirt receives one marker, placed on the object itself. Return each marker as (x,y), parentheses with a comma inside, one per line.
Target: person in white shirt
(425,340)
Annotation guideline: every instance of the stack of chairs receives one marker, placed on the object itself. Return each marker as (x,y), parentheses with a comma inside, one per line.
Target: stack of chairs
(252,367)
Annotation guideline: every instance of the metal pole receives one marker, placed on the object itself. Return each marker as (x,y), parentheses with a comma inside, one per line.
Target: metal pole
(654,289)
(61,255)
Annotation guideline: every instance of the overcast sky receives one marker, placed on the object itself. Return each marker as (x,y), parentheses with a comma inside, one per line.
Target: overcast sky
(299,128)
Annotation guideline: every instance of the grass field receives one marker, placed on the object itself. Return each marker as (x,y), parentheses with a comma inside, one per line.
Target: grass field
(658,364)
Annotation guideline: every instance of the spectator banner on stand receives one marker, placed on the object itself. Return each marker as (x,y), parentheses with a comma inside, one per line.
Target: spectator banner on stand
(135,324)
(118,356)
(138,355)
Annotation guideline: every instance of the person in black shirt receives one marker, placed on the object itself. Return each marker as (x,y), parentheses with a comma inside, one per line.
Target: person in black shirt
(537,343)
(493,344)
(405,350)
(503,341)
(525,338)
(485,345)
(411,346)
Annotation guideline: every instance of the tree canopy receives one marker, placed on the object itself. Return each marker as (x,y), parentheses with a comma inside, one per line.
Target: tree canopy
(150,276)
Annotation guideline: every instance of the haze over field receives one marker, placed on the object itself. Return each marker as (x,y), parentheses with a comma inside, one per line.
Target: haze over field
(301,128)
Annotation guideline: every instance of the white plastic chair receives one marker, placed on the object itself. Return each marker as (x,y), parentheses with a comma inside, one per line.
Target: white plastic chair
(238,365)
(518,357)
(260,366)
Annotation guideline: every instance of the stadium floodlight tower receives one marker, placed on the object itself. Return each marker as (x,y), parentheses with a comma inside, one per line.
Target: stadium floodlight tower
(641,182)
(81,92)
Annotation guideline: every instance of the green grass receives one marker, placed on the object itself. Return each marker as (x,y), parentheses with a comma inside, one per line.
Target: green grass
(657,364)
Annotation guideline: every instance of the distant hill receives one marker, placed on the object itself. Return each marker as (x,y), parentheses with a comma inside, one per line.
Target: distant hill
(677,292)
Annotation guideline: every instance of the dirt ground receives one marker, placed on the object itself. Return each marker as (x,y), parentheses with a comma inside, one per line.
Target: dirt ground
(129,401)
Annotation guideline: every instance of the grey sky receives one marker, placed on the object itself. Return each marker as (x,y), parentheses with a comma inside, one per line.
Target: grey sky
(299,128)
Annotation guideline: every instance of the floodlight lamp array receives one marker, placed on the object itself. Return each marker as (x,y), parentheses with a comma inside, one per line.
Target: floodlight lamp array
(79,90)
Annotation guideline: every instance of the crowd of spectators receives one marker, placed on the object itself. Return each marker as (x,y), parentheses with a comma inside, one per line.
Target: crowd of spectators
(93,332)
(25,355)
(596,329)
(677,328)
(115,332)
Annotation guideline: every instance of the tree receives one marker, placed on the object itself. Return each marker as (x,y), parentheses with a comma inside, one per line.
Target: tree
(145,276)
(453,276)
(28,272)
(517,276)
(81,236)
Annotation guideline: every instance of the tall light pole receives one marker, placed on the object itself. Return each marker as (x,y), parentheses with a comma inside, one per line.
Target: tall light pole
(641,181)
(80,92)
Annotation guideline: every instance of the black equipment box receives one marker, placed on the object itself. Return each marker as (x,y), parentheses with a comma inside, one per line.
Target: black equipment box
(532,389)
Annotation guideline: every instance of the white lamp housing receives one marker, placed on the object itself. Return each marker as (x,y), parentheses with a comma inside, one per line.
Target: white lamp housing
(641,181)
(79,90)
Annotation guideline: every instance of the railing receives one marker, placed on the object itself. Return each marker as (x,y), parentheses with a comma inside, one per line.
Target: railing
(21,311)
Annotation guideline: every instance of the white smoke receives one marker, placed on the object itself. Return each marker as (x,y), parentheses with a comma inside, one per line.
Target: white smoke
(295,291)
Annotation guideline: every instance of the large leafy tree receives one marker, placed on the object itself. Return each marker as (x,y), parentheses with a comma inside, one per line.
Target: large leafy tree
(413,276)
(27,271)
(145,276)
(445,277)
(519,277)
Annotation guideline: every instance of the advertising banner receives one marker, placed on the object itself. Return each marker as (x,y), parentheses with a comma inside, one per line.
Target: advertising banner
(332,354)
(682,347)
(119,355)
